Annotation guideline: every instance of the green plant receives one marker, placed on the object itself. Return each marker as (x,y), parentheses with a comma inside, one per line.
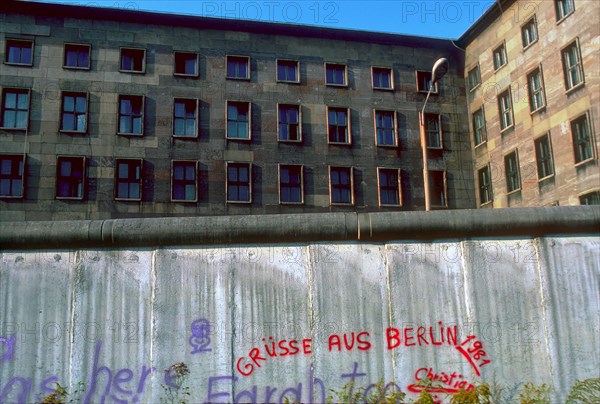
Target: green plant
(58,396)
(532,394)
(585,391)
(481,394)
(379,392)
(175,389)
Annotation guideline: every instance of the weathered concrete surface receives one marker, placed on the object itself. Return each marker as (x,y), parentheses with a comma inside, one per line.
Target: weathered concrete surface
(115,319)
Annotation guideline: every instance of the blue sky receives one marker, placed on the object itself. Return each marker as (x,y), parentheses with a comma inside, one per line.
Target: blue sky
(433,18)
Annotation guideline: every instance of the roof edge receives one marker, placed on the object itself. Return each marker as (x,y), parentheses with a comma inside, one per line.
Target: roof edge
(490,15)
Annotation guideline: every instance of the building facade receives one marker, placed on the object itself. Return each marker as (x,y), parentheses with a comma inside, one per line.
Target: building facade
(531,69)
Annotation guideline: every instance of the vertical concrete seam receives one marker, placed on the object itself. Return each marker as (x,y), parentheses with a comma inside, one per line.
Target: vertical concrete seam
(152,304)
(466,288)
(388,286)
(233,330)
(536,246)
(76,259)
(311,318)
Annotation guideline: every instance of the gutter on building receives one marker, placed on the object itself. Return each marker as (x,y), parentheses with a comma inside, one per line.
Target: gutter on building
(298,228)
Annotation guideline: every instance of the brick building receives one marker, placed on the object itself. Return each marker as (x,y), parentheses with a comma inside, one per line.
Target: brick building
(177,116)
(531,69)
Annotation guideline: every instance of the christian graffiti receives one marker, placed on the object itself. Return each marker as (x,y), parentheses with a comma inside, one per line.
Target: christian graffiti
(200,339)
(9,344)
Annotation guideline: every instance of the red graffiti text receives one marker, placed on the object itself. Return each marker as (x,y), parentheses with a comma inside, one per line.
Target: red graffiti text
(273,349)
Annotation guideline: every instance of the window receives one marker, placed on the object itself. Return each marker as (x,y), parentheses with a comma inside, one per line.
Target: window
(238,67)
(288,71)
(499,57)
(239,185)
(336,74)
(433,131)
(291,184)
(479,130)
(19,52)
(438,189)
(15,109)
(535,89)
(11,175)
(76,56)
(238,120)
(485,185)
(186,64)
(184,181)
(474,78)
(341,185)
(543,156)
(511,169)
(582,139)
(74,112)
(133,60)
(424,82)
(288,123)
(572,66)
(185,120)
(563,8)
(505,109)
(389,187)
(383,78)
(70,177)
(128,179)
(591,198)
(338,125)
(529,32)
(131,115)
(385,128)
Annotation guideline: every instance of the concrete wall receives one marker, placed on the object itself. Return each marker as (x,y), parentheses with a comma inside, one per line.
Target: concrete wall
(112,320)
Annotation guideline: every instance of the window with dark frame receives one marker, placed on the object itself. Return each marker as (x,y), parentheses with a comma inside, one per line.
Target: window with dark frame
(479,129)
(131,115)
(288,71)
(291,187)
(238,120)
(582,139)
(128,179)
(186,64)
(511,169)
(499,56)
(389,187)
(238,67)
(535,89)
(133,60)
(184,181)
(505,110)
(12,168)
(591,198)
(572,66)
(474,78)
(543,156)
(485,185)
(185,117)
(335,74)
(438,195)
(74,112)
(340,185)
(424,82)
(239,177)
(529,32)
(338,126)
(70,177)
(563,8)
(385,128)
(288,123)
(15,108)
(76,56)
(382,78)
(433,131)
(19,52)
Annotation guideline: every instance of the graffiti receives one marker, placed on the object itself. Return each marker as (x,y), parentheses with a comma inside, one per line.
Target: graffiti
(282,347)
(409,336)
(200,338)
(426,379)
(9,343)
(361,341)
(472,350)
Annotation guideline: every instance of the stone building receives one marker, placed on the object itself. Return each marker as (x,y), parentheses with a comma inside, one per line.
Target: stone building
(531,69)
(126,114)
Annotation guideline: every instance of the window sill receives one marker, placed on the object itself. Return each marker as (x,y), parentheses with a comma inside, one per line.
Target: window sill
(486,203)
(336,85)
(288,81)
(427,91)
(546,178)
(342,203)
(19,64)
(530,44)
(240,202)
(507,129)
(339,143)
(130,134)
(584,162)
(238,78)
(387,146)
(575,88)
(384,88)
(185,75)
(73,132)
(289,141)
(564,17)
(291,203)
(514,191)
(11,197)
(184,137)
(184,200)
(241,139)
(536,111)
(475,87)
(69,198)
(484,142)
(76,68)
(128,199)
(387,205)
(132,71)
(440,148)
(500,68)
(439,206)
(13,129)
